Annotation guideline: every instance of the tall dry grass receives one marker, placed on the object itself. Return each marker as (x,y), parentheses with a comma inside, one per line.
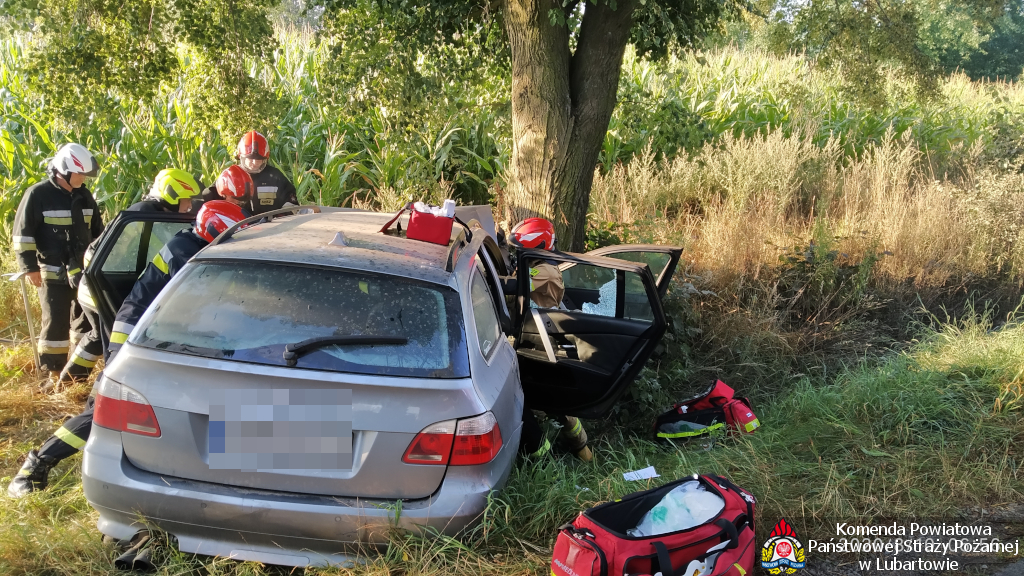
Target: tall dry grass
(735,204)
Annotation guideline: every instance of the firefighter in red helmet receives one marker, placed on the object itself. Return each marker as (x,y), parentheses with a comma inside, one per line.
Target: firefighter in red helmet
(271,188)
(546,291)
(234,185)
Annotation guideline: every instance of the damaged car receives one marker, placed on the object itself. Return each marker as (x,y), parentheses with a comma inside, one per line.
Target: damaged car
(309,383)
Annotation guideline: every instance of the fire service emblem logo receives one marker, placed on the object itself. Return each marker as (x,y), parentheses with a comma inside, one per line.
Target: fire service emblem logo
(782,553)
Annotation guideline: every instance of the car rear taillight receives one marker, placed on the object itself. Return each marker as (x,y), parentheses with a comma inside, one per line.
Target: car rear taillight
(466,442)
(119,407)
(433,445)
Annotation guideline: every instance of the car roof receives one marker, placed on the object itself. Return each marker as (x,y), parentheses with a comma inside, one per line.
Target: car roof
(342,239)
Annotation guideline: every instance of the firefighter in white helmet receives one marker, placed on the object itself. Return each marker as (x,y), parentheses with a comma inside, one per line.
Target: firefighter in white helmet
(55,223)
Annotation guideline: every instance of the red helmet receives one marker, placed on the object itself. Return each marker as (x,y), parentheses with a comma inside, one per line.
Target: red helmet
(253,145)
(534,233)
(235,182)
(215,217)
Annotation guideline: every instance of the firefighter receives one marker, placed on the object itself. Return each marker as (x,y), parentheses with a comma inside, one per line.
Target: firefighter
(56,221)
(271,188)
(213,218)
(235,185)
(546,291)
(172,191)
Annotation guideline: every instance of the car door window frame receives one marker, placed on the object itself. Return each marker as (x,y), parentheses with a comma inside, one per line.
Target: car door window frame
(491,278)
(674,254)
(488,355)
(99,287)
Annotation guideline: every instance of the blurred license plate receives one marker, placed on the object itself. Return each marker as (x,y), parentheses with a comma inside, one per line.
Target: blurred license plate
(264,430)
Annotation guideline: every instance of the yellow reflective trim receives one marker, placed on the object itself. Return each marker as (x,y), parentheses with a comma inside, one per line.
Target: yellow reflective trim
(69,438)
(24,246)
(43,349)
(701,432)
(543,449)
(740,568)
(158,261)
(57,221)
(118,337)
(752,425)
(47,275)
(82,361)
(88,218)
(73,272)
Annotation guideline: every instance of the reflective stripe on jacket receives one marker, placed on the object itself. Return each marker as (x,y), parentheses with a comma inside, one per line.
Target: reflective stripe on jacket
(53,227)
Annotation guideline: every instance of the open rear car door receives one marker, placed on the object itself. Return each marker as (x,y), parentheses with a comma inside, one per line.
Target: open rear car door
(580,357)
(120,256)
(662,260)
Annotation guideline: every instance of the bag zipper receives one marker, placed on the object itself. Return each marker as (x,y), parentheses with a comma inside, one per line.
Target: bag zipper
(714,486)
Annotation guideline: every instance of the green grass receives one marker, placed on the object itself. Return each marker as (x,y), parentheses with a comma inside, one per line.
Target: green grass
(921,433)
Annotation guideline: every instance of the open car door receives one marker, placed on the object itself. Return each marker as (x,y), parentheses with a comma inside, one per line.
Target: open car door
(120,256)
(662,260)
(580,357)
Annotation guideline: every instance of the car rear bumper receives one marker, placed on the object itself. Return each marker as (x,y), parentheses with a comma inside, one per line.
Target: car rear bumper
(273,527)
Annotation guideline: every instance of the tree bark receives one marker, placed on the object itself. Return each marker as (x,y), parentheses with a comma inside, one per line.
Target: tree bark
(561,105)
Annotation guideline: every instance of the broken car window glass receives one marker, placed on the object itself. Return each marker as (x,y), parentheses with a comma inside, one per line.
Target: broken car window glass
(249,312)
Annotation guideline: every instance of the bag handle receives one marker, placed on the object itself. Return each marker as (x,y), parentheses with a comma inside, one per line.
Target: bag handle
(730,530)
(469,233)
(396,217)
(664,561)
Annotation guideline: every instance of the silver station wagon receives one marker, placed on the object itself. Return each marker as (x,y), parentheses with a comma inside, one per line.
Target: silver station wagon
(309,383)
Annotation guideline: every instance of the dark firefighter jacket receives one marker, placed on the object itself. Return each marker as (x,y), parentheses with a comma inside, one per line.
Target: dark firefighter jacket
(52,229)
(168,262)
(272,190)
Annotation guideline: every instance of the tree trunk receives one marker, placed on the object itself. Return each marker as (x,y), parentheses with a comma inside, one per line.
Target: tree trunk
(561,106)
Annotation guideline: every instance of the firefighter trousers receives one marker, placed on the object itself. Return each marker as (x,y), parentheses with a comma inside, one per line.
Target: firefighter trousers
(63,319)
(533,440)
(71,436)
(89,349)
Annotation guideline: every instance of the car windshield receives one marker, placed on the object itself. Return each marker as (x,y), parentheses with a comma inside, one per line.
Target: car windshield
(249,311)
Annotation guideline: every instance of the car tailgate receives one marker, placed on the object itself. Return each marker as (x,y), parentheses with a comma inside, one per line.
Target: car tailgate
(386,414)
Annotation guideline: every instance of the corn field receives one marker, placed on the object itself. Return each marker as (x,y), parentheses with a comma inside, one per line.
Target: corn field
(383,154)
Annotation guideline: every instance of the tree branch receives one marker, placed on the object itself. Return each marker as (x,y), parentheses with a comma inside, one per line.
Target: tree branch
(597,63)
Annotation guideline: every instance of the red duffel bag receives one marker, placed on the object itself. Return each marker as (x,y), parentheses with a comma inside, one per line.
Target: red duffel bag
(597,543)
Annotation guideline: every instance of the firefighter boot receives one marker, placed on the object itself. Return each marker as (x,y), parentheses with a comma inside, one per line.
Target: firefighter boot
(574,438)
(34,475)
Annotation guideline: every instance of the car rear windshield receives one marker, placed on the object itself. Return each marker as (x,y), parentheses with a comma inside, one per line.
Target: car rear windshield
(249,312)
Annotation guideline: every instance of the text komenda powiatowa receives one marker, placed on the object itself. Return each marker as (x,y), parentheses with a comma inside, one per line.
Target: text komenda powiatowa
(913,529)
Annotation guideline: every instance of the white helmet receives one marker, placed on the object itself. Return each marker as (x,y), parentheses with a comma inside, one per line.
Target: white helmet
(74,159)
